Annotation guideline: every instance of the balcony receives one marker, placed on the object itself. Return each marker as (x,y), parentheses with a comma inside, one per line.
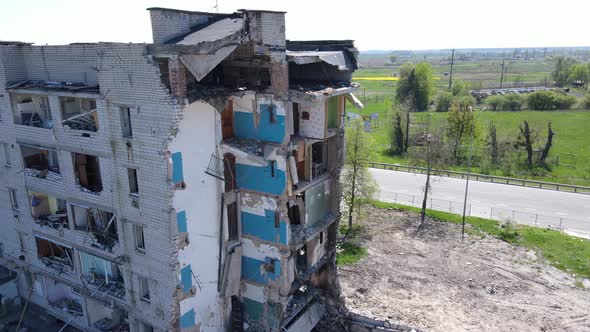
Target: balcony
(48,210)
(31,110)
(54,256)
(100,225)
(40,163)
(103,276)
(87,171)
(63,298)
(79,113)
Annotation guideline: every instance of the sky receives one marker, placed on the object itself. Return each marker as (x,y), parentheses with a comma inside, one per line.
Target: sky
(373,24)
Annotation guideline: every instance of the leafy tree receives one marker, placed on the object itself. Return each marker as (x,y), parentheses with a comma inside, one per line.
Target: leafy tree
(564,101)
(586,101)
(495,102)
(397,135)
(443,101)
(358,186)
(459,88)
(414,91)
(392,58)
(580,72)
(461,125)
(562,70)
(416,86)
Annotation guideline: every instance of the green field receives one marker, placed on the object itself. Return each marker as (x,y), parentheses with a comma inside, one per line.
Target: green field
(569,157)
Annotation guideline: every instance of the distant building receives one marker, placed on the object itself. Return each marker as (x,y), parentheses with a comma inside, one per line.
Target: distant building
(190,184)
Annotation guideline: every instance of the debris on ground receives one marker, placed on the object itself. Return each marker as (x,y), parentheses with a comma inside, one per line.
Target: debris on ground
(431,280)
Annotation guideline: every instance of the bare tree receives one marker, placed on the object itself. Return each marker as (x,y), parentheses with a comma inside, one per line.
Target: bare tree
(493,143)
(545,152)
(434,154)
(357,184)
(529,138)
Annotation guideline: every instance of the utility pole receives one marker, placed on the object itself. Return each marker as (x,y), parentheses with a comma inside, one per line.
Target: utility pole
(451,72)
(502,75)
(217,6)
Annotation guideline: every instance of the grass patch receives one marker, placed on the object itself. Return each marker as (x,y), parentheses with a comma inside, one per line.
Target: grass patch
(350,249)
(567,253)
(569,157)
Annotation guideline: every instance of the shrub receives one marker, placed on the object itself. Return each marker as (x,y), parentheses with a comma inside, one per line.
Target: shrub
(564,102)
(464,101)
(443,101)
(586,101)
(548,100)
(495,102)
(541,100)
(513,102)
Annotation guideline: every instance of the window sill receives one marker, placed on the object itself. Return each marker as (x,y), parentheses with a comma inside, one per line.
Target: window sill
(139,250)
(146,300)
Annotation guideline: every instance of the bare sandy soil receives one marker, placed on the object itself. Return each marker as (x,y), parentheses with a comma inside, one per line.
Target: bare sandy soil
(432,281)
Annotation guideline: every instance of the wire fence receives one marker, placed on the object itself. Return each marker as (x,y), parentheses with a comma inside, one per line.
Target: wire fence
(488,212)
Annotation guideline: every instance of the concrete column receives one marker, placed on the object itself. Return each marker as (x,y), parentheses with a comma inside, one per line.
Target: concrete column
(177,73)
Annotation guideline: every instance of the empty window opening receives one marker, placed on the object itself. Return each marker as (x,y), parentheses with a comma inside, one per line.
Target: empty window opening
(321,237)
(104,317)
(31,110)
(144,289)
(305,115)
(139,238)
(232,221)
(269,267)
(126,129)
(102,274)
(87,171)
(229,171)
(318,160)
(54,255)
(100,224)
(301,260)
(164,71)
(295,119)
(133,185)
(272,168)
(143,327)
(294,214)
(48,210)
(39,162)
(79,113)
(6,154)
(13,200)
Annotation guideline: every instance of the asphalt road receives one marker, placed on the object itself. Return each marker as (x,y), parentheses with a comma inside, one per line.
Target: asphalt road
(525,205)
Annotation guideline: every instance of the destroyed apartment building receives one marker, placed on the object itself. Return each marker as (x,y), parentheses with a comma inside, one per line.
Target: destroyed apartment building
(191,184)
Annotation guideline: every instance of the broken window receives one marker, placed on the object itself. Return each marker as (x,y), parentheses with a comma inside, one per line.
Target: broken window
(295,119)
(139,239)
(127,132)
(102,274)
(87,171)
(272,113)
(39,162)
(144,289)
(79,113)
(101,224)
(48,210)
(63,297)
(232,221)
(6,154)
(133,185)
(318,160)
(269,266)
(294,214)
(13,200)
(31,110)
(321,237)
(305,115)
(54,255)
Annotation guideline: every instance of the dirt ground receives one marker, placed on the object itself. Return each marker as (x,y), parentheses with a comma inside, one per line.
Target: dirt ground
(432,281)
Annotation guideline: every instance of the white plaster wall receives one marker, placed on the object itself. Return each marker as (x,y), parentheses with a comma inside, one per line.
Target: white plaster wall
(259,251)
(315,127)
(256,204)
(196,140)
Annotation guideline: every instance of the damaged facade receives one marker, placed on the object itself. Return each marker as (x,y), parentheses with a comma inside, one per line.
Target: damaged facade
(191,184)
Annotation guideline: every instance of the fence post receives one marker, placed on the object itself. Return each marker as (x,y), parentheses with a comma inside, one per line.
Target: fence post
(560,223)
(513,214)
(450,206)
(431,203)
(395,198)
(491,212)
(536,218)
(413,198)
